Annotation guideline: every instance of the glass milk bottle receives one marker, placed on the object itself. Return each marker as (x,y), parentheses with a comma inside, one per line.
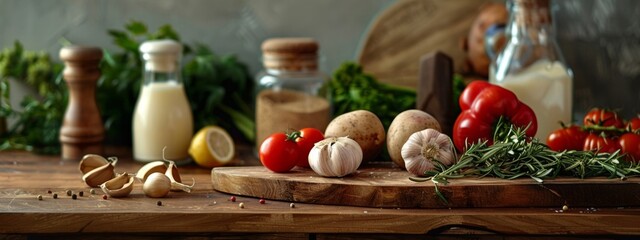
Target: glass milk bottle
(162,117)
(531,65)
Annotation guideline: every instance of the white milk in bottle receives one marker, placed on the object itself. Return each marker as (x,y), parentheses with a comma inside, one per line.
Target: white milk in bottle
(546,87)
(531,65)
(162,117)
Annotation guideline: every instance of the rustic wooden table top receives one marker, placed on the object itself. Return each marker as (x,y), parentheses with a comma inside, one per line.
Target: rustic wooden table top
(24,176)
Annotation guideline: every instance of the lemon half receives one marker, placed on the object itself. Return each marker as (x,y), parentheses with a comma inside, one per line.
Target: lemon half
(211,147)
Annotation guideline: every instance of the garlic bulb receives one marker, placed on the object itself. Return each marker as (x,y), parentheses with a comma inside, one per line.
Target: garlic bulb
(335,157)
(425,147)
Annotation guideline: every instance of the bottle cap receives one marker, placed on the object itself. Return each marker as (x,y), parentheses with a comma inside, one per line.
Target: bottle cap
(290,54)
(161,55)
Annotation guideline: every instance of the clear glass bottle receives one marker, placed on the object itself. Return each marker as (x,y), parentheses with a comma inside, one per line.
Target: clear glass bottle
(289,91)
(162,121)
(531,65)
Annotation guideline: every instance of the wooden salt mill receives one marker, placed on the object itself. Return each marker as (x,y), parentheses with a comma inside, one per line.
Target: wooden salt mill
(82,131)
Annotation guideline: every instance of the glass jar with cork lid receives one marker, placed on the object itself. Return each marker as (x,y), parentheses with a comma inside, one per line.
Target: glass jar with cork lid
(289,91)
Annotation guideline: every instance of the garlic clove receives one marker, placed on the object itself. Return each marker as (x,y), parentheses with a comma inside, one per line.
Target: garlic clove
(90,162)
(149,168)
(156,185)
(99,175)
(174,176)
(120,186)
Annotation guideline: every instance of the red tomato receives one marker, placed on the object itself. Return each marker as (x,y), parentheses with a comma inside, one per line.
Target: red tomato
(603,118)
(634,124)
(279,153)
(630,145)
(307,138)
(567,138)
(600,143)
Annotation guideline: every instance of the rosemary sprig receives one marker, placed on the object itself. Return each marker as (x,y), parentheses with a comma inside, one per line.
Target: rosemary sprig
(517,155)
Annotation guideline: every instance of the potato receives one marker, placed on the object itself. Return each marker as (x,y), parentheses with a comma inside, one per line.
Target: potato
(401,128)
(362,126)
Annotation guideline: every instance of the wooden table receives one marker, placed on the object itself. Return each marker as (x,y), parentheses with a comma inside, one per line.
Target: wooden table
(205,212)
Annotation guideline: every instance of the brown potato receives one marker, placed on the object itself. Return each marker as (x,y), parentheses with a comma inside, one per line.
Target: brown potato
(362,126)
(401,128)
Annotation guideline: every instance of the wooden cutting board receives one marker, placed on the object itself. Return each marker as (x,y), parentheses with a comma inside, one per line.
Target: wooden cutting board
(409,29)
(389,187)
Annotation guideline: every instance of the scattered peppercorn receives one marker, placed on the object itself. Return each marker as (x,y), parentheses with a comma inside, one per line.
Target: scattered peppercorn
(69,192)
(241,205)
(232,198)
(49,191)
(292,205)
(565,208)
(262,201)
(55,196)
(81,193)
(159,203)
(40,197)
(92,191)
(74,196)
(104,197)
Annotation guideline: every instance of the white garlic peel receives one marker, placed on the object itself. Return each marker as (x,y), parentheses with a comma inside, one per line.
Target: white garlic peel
(157,185)
(424,148)
(335,157)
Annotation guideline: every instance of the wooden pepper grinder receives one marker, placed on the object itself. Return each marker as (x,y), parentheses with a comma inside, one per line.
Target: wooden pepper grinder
(82,131)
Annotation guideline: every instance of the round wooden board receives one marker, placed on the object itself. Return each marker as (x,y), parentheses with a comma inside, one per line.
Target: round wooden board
(409,29)
(391,188)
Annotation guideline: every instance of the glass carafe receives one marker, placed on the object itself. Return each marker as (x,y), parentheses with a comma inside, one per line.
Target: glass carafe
(531,65)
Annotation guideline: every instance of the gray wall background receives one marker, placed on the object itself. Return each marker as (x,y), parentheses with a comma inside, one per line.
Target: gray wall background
(600,38)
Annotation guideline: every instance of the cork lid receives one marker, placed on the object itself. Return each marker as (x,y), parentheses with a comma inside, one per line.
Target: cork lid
(161,55)
(290,53)
(530,12)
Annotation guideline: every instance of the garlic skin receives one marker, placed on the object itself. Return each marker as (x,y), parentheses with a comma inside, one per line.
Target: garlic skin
(176,182)
(157,185)
(149,168)
(423,148)
(119,186)
(99,175)
(335,157)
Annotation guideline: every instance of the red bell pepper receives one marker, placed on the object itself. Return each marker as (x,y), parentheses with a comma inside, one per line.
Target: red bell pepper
(483,105)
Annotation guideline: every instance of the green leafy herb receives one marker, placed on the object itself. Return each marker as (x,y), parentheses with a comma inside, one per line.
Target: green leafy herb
(352,89)
(217,87)
(36,126)
(517,155)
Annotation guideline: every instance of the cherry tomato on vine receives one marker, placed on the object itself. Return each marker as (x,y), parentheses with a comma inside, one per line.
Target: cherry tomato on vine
(630,145)
(307,138)
(279,152)
(567,138)
(602,118)
(600,143)
(634,124)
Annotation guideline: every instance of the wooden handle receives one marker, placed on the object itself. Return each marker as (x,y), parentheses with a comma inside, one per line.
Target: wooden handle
(435,89)
(82,131)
